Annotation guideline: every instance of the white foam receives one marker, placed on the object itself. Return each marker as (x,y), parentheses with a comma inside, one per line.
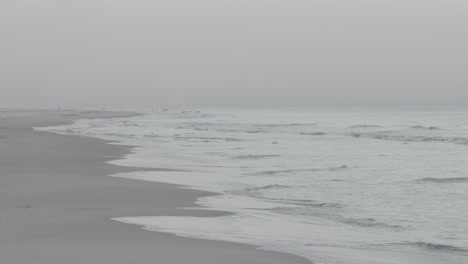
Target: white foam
(378,188)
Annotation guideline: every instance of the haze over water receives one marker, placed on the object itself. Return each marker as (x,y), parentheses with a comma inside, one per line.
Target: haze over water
(143,53)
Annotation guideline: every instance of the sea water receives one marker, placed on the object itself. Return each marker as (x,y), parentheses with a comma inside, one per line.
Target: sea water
(347,184)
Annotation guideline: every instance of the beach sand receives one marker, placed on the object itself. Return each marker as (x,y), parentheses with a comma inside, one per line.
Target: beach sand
(56,202)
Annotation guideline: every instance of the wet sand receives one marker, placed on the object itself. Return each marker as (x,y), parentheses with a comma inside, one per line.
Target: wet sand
(56,202)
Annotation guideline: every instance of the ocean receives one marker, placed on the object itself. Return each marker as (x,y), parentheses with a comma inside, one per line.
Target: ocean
(334,184)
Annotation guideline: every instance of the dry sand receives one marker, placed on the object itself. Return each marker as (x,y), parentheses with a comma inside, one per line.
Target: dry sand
(56,202)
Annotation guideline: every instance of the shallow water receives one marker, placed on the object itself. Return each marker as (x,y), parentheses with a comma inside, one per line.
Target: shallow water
(333,184)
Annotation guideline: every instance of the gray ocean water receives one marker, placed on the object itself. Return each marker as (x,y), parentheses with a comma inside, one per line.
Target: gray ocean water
(348,184)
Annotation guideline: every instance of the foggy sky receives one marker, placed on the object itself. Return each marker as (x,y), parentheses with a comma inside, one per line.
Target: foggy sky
(150,53)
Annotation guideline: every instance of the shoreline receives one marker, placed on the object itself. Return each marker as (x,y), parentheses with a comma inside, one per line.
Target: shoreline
(57,201)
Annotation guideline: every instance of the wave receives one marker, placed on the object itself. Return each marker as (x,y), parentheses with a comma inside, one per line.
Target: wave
(237,125)
(287,124)
(268,187)
(301,203)
(151,136)
(312,133)
(445,180)
(108,134)
(271,172)
(391,136)
(306,208)
(434,246)
(122,123)
(364,126)
(255,131)
(369,222)
(257,191)
(222,130)
(240,128)
(207,139)
(254,157)
(316,209)
(425,128)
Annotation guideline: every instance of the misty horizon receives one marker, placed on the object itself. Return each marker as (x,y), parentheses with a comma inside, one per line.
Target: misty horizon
(105,53)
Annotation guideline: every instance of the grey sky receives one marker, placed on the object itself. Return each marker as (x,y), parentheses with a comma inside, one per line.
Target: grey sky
(185,52)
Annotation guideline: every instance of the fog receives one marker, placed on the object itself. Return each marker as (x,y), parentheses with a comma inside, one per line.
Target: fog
(142,53)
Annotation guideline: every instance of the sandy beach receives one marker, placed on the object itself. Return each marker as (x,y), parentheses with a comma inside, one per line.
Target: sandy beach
(57,201)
